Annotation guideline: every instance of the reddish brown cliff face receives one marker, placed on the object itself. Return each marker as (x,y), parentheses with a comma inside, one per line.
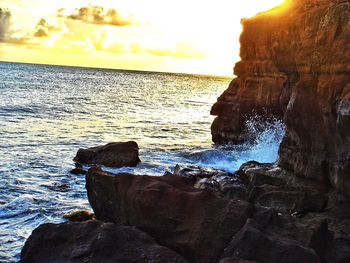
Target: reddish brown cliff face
(296,65)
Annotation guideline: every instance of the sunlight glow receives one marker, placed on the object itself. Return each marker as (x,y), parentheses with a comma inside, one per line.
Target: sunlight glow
(181,36)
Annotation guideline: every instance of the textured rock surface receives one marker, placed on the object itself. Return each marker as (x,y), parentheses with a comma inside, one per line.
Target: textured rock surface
(193,222)
(116,154)
(272,220)
(93,242)
(295,65)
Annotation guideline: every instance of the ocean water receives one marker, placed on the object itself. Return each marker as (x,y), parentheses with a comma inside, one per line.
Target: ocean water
(48,112)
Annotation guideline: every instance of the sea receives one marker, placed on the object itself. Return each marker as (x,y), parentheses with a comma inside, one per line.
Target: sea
(48,112)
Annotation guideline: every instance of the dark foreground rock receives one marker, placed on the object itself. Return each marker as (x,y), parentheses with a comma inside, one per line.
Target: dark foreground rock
(274,221)
(116,154)
(93,242)
(195,223)
(204,226)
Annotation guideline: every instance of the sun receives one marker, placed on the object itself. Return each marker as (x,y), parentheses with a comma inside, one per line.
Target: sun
(189,36)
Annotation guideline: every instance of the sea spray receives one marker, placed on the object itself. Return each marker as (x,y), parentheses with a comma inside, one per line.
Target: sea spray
(265,134)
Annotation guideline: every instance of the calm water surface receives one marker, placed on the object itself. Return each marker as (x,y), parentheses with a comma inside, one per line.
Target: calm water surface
(47,113)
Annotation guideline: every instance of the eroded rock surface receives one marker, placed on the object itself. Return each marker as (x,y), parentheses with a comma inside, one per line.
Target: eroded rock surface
(272,220)
(295,66)
(195,223)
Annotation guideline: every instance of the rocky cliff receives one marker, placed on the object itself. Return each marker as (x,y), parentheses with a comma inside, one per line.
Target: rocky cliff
(295,64)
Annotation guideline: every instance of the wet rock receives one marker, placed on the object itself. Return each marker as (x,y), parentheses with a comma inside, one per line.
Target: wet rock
(116,154)
(219,182)
(79,216)
(78,171)
(58,187)
(93,242)
(193,222)
(195,172)
(225,186)
(263,173)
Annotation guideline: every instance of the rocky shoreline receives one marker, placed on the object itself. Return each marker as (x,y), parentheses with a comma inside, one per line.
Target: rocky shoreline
(295,66)
(200,215)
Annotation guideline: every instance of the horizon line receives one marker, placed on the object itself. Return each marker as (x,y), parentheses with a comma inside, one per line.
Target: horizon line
(121,69)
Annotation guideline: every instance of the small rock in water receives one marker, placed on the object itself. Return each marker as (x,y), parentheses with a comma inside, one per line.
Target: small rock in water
(115,154)
(78,171)
(79,216)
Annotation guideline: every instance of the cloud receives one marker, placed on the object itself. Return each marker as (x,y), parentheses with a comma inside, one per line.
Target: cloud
(5,23)
(99,16)
(45,29)
(65,32)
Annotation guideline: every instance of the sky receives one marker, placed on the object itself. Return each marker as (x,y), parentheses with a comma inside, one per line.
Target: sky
(188,36)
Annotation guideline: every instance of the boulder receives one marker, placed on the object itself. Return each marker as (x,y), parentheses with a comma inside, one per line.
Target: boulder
(116,154)
(93,242)
(193,222)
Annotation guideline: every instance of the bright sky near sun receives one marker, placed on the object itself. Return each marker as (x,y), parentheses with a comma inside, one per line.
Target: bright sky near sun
(189,36)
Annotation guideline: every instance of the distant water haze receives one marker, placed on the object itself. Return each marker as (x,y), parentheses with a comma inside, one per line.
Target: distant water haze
(47,113)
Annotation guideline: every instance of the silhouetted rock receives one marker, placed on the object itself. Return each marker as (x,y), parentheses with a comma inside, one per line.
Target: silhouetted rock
(195,223)
(117,154)
(93,242)
(79,216)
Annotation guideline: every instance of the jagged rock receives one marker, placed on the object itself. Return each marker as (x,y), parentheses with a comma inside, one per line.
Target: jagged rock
(263,173)
(79,216)
(295,66)
(93,242)
(195,223)
(219,182)
(226,186)
(117,154)
(195,172)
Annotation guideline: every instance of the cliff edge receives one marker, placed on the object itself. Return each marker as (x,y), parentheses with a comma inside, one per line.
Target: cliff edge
(295,65)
